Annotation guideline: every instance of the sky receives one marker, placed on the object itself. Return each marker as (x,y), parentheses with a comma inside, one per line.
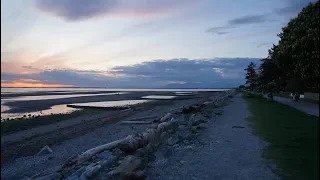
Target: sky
(137,43)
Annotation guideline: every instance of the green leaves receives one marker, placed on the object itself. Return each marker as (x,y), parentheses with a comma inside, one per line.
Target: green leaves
(296,57)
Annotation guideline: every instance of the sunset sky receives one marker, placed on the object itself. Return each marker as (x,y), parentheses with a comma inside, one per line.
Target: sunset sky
(137,43)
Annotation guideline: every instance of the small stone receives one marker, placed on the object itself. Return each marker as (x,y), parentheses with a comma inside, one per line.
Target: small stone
(139,175)
(164,136)
(79,171)
(73,178)
(107,162)
(202,126)
(172,140)
(186,142)
(182,127)
(128,165)
(45,150)
(90,171)
(26,178)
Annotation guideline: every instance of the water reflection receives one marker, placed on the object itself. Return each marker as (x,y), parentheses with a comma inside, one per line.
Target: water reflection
(4,108)
(110,103)
(57,109)
(184,93)
(158,97)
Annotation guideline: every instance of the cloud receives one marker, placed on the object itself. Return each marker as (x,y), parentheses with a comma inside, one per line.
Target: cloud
(237,22)
(210,73)
(249,19)
(75,10)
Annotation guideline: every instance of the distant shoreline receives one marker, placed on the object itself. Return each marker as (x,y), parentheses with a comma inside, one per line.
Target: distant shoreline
(105,88)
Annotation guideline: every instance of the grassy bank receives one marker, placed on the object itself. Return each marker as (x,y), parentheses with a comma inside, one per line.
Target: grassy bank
(293,137)
(20,124)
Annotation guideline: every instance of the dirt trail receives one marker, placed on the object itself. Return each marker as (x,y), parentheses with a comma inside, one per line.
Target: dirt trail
(227,150)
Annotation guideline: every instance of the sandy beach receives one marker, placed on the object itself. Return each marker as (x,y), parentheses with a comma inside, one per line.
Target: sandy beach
(77,134)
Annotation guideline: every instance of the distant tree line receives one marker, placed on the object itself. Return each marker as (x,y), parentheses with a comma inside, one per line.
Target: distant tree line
(293,64)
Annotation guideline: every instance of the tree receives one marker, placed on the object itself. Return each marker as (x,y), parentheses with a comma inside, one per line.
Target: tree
(293,64)
(251,76)
(242,87)
(298,49)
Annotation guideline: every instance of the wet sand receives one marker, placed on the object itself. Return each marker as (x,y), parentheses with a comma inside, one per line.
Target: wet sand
(38,105)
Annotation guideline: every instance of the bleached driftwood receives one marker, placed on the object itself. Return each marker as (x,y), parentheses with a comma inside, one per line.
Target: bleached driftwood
(141,118)
(91,152)
(165,118)
(136,122)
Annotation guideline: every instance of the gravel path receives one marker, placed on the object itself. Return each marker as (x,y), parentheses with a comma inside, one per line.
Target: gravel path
(224,152)
(306,107)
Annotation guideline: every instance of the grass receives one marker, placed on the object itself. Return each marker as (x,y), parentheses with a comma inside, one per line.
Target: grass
(293,137)
(19,124)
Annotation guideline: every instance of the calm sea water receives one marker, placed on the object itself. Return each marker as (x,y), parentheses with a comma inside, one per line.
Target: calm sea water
(24,90)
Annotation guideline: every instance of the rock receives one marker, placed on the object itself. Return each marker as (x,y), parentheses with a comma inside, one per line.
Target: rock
(139,175)
(90,171)
(45,150)
(202,126)
(182,127)
(52,176)
(107,162)
(129,164)
(26,178)
(104,155)
(186,142)
(196,120)
(164,136)
(151,135)
(206,103)
(79,172)
(73,178)
(172,140)
(117,152)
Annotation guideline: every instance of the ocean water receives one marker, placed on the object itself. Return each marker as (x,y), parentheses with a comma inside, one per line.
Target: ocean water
(25,90)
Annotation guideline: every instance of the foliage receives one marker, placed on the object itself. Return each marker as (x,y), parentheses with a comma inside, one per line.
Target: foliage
(293,64)
(242,87)
(251,75)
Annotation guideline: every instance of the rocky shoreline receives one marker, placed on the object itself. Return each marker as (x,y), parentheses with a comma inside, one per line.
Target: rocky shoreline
(128,158)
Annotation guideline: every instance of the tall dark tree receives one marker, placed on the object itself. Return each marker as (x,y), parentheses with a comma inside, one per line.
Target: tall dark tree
(293,64)
(251,76)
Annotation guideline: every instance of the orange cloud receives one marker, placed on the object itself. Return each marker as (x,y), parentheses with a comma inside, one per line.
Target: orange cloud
(30,83)
(17,65)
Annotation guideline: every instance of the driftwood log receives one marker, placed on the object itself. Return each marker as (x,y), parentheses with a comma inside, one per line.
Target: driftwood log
(141,118)
(136,122)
